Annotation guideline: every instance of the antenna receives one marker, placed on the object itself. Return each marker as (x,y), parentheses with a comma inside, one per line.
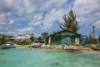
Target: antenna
(98,37)
(98,34)
(93,31)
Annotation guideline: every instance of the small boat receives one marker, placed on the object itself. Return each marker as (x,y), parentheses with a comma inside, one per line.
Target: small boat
(96,48)
(6,46)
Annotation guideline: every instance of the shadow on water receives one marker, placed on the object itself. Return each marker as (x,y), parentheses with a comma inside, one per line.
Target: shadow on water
(55,64)
(2,52)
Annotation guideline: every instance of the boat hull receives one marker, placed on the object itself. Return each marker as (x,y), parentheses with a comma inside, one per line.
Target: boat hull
(7,47)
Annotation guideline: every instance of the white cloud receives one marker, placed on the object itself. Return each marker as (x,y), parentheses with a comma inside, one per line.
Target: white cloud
(87,11)
(11,22)
(30,6)
(4,20)
(97,14)
(97,24)
(54,13)
(52,16)
(5,11)
(11,33)
(36,20)
(37,23)
(38,17)
(14,33)
(26,29)
(44,13)
(55,3)
(1,28)
(85,7)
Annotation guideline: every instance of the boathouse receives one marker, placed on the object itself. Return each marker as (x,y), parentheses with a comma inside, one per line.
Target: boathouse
(63,37)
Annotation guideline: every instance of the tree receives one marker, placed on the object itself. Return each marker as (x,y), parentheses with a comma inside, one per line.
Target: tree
(44,34)
(70,22)
(99,39)
(32,37)
(91,39)
(3,39)
(39,39)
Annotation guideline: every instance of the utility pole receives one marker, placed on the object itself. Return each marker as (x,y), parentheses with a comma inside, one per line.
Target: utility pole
(98,37)
(93,31)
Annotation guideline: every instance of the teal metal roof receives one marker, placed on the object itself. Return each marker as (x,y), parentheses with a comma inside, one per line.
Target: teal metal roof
(64,31)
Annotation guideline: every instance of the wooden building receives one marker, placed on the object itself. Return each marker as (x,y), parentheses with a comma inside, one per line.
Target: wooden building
(63,37)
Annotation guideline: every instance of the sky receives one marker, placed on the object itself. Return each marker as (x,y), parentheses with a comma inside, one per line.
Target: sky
(37,16)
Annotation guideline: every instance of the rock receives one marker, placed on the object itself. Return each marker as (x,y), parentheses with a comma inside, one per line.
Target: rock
(58,47)
(48,46)
(52,46)
(36,45)
(43,46)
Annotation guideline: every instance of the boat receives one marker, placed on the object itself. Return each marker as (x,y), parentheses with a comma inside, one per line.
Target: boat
(96,48)
(6,46)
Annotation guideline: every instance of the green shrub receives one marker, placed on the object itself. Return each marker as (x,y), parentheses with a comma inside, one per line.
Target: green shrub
(24,42)
(3,40)
(92,41)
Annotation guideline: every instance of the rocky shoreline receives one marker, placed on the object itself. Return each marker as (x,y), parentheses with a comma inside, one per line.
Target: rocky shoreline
(63,47)
(87,47)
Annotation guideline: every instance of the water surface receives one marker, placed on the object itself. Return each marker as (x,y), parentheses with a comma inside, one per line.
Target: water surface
(26,57)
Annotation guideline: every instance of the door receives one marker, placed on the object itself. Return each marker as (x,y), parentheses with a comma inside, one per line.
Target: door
(76,40)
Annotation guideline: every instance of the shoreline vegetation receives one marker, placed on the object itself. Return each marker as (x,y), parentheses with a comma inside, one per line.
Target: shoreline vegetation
(73,48)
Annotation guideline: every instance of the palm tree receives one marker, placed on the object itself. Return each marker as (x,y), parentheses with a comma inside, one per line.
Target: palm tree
(70,22)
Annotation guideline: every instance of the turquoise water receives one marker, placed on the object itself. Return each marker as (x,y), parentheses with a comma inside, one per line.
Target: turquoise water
(26,57)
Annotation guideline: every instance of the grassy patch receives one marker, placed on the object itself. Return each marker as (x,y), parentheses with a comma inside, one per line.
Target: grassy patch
(24,42)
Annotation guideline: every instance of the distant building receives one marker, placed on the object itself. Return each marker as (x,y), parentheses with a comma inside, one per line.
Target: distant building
(63,37)
(22,37)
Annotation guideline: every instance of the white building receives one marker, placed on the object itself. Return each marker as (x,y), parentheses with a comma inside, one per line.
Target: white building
(22,37)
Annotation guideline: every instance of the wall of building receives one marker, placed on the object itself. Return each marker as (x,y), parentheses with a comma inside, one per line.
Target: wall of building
(55,39)
(62,38)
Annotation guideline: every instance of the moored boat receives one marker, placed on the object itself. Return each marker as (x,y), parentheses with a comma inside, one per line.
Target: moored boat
(7,46)
(96,48)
